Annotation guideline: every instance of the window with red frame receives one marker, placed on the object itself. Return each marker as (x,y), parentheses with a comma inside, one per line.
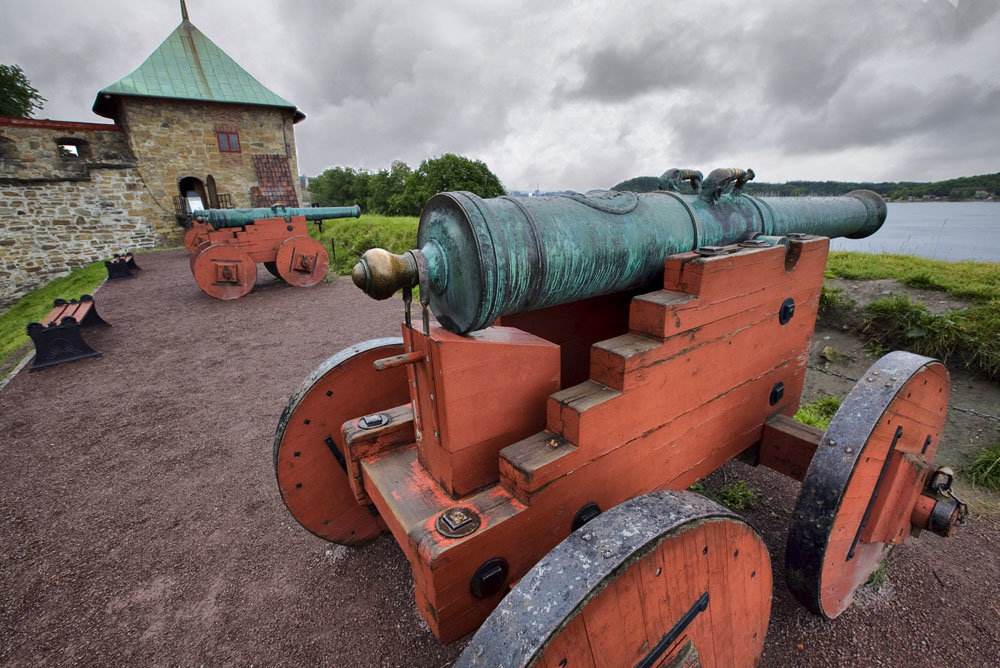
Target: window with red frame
(229,142)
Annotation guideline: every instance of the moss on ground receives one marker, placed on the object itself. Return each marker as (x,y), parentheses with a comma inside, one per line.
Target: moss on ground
(833,299)
(818,413)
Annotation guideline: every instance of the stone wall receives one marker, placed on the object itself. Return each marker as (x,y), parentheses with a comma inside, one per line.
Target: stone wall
(57,211)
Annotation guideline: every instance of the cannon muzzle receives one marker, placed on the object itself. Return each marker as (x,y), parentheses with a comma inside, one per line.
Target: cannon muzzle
(222,218)
(481,259)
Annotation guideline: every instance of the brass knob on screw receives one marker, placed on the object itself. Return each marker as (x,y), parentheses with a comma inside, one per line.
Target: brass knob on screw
(380,273)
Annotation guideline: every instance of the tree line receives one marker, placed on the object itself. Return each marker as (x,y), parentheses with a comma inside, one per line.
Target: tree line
(961,188)
(399,190)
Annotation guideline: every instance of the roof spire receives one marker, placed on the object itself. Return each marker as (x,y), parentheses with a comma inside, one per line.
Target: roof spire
(184,11)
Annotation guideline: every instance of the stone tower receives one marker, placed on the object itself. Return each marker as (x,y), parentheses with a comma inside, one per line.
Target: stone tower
(203,132)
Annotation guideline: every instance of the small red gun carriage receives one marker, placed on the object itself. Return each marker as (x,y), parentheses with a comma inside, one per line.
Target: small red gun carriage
(592,357)
(227,244)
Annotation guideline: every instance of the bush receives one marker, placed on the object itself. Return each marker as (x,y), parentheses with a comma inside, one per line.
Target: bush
(353,236)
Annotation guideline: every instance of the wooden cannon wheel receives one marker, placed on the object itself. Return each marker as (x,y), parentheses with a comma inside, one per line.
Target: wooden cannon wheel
(664,579)
(194,254)
(863,482)
(309,445)
(302,261)
(223,271)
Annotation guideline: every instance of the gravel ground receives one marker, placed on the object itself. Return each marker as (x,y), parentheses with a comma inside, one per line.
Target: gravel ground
(141,524)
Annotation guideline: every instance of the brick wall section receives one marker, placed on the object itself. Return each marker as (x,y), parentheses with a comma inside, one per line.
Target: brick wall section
(276,183)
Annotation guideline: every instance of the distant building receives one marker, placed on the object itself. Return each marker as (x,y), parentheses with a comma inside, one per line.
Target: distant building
(192,129)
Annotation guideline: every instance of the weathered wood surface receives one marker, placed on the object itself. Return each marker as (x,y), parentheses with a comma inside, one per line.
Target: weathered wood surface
(659,411)
(309,442)
(862,485)
(666,579)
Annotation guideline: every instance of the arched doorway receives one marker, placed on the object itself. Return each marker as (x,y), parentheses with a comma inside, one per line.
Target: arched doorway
(193,195)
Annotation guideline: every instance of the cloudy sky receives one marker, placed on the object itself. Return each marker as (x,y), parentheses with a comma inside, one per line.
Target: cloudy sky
(576,93)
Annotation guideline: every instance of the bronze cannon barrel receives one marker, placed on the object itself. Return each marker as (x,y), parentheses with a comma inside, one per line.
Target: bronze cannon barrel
(222,218)
(481,259)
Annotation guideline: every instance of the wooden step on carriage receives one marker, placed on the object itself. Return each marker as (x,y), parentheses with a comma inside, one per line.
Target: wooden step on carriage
(590,357)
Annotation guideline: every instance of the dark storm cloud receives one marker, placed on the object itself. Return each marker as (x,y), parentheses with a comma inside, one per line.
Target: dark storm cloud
(662,60)
(806,78)
(956,106)
(576,94)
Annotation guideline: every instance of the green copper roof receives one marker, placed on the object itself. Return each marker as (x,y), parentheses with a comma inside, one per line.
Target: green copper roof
(190,66)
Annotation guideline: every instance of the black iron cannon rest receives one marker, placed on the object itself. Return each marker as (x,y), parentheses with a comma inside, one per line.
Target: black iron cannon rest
(57,338)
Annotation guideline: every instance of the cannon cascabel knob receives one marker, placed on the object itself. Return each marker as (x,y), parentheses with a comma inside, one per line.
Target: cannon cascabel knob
(380,273)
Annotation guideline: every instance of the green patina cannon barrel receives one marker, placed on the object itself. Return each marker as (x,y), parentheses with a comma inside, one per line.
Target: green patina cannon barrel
(480,259)
(220,218)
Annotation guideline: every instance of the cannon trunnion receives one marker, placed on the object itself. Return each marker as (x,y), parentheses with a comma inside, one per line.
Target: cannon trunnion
(527,464)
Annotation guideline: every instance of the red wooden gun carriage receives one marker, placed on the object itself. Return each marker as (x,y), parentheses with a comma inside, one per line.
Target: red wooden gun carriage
(591,357)
(227,244)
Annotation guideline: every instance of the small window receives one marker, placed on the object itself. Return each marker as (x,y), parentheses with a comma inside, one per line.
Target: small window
(229,142)
(71,148)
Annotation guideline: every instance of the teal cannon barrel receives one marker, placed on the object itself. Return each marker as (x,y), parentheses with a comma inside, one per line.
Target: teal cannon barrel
(480,259)
(221,218)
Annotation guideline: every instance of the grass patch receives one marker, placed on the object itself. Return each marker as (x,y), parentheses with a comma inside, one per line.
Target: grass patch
(353,236)
(737,496)
(36,305)
(819,413)
(880,575)
(832,299)
(971,335)
(873,349)
(985,468)
(976,281)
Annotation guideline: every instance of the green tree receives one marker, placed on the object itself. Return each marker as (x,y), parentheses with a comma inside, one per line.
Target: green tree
(340,186)
(448,172)
(400,191)
(18,98)
(386,189)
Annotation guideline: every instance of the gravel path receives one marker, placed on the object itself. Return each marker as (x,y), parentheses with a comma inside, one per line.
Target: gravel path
(141,524)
